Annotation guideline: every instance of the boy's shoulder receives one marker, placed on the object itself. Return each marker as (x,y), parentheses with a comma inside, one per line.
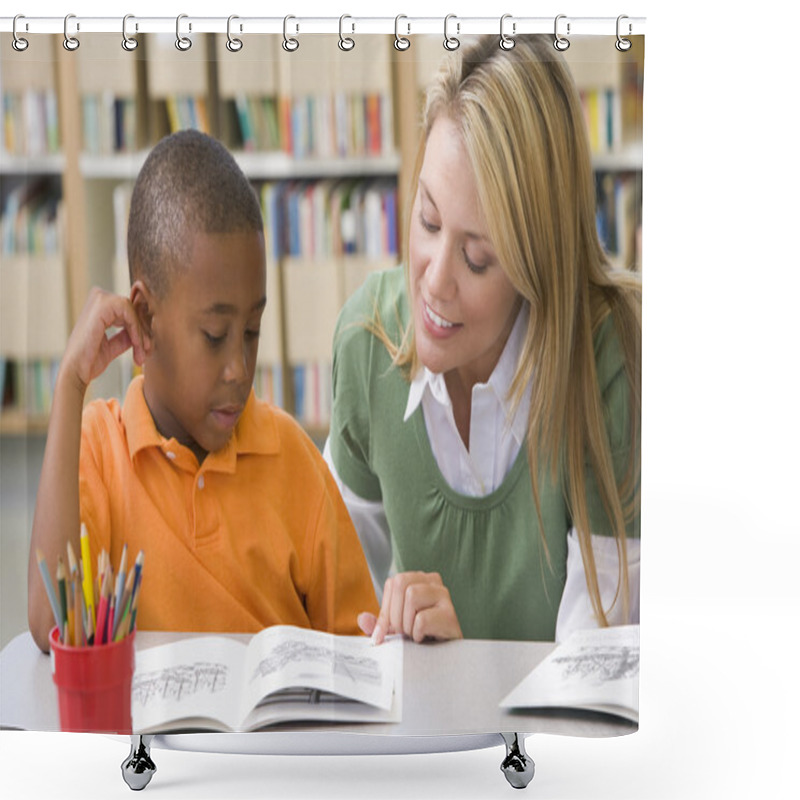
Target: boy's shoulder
(271,430)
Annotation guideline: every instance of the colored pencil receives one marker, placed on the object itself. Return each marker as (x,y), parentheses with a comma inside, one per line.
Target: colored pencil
(120,588)
(61,579)
(79,640)
(117,603)
(112,608)
(102,613)
(139,564)
(89,629)
(72,561)
(51,593)
(120,630)
(88,583)
(69,634)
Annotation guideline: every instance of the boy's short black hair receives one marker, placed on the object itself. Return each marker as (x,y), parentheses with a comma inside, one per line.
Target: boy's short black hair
(188,184)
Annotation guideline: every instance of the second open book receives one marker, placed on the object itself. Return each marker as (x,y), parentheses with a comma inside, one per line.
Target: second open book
(283,674)
(594,670)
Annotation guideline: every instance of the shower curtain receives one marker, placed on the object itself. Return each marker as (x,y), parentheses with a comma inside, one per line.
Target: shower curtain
(326,128)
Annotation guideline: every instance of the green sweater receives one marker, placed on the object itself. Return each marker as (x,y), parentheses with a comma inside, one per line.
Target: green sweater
(488,549)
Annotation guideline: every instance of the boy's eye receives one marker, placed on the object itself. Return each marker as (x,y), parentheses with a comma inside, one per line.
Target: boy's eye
(214,341)
(253,333)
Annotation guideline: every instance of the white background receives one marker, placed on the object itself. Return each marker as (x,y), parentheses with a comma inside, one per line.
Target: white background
(720,704)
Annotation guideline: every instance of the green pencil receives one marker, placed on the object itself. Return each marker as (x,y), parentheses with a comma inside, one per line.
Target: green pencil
(51,594)
(61,578)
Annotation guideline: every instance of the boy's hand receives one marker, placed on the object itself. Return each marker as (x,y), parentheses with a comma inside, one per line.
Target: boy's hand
(89,351)
(416,604)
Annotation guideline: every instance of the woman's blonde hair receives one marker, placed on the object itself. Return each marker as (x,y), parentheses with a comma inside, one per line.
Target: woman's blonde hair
(522,125)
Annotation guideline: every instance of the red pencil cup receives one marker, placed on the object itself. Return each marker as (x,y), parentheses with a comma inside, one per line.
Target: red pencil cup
(94,685)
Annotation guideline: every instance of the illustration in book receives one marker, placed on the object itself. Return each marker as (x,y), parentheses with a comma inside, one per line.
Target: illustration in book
(283,674)
(593,670)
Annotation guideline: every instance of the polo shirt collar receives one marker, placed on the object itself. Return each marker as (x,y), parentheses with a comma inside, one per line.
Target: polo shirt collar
(499,381)
(254,433)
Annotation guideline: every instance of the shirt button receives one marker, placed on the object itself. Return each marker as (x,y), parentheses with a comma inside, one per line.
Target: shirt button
(170,455)
(201,482)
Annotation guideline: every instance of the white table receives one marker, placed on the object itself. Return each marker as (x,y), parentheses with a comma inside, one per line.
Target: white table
(451,696)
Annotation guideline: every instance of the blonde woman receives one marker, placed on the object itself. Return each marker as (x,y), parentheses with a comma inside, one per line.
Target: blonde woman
(486,406)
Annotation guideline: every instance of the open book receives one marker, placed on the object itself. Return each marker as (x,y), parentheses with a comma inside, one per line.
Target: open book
(283,674)
(593,670)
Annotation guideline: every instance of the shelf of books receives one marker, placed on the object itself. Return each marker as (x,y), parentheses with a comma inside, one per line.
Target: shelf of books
(328,139)
(610,86)
(314,132)
(33,305)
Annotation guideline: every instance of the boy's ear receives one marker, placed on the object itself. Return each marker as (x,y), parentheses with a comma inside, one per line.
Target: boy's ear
(143,303)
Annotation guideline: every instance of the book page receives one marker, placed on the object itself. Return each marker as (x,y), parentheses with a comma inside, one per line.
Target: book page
(595,669)
(186,682)
(284,657)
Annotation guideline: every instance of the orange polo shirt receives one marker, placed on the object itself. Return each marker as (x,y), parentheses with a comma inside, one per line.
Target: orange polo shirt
(255,536)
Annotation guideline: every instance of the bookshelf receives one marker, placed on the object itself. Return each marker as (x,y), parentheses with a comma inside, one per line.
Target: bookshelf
(32,264)
(327,138)
(610,85)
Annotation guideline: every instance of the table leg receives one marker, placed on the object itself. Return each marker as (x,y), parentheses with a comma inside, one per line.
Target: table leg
(138,768)
(517,766)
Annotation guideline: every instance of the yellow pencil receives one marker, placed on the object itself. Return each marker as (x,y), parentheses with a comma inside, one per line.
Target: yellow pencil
(88,583)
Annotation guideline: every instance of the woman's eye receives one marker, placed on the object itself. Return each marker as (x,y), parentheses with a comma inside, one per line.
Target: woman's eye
(478,269)
(428,226)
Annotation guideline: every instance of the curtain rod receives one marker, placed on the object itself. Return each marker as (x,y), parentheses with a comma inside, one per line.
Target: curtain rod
(453,25)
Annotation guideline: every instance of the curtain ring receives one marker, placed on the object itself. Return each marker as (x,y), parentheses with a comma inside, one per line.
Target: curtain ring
(128,42)
(289,44)
(621,44)
(560,43)
(18,43)
(183,43)
(451,42)
(507,42)
(345,42)
(70,42)
(400,42)
(233,44)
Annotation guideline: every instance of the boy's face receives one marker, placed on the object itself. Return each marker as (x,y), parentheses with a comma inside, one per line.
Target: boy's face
(204,340)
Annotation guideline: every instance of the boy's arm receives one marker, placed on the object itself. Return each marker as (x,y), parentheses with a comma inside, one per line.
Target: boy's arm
(56,518)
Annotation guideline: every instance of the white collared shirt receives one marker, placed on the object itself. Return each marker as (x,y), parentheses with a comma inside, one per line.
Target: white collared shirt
(497,431)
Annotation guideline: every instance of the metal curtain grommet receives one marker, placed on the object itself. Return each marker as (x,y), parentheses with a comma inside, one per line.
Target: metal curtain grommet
(233,44)
(623,45)
(183,43)
(506,41)
(18,43)
(345,42)
(70,42)
(289,44)
(560,42)
(400,42)
(128,42)
(451,42)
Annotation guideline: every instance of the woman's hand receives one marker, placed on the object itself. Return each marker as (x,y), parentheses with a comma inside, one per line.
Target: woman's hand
(416,604)
(89,351)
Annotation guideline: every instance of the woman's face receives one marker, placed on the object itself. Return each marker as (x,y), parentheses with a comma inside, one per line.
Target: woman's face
(463,303)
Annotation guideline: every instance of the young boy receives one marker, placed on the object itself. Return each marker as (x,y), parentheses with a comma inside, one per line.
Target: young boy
(241,523)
